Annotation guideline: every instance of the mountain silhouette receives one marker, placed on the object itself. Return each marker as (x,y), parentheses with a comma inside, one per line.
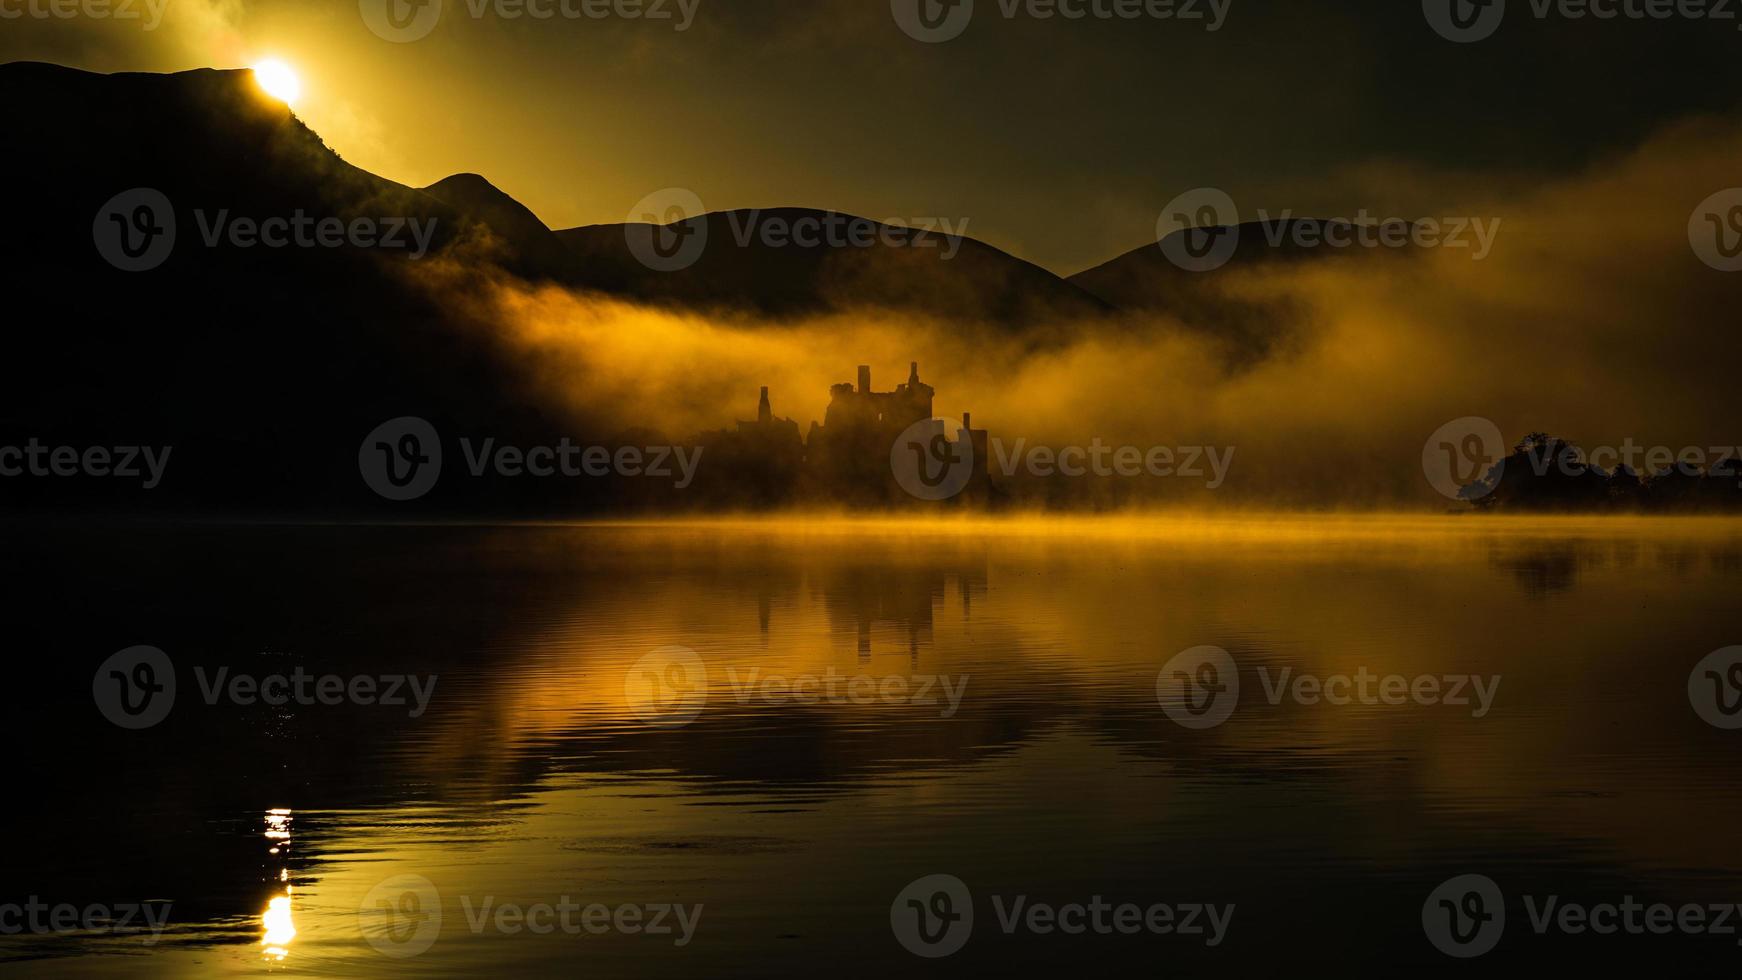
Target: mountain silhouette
(525,243)
(85,136)
(750,262)
(263,366)
(1146,279)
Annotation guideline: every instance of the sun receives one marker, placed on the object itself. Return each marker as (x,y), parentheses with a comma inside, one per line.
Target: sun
(278,80)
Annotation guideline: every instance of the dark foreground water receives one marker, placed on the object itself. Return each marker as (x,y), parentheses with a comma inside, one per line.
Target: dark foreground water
(837,749)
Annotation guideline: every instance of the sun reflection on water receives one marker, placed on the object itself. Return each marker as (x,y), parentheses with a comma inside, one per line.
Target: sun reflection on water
(280,927)
(276,921)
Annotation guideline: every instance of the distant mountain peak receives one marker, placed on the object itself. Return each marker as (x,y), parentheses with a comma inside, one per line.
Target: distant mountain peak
(468,182)
(795,261)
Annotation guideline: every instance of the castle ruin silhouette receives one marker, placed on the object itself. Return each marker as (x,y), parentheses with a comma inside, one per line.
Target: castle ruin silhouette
(845,458)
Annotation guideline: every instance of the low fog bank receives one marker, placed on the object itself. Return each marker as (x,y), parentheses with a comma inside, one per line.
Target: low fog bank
(1592,318)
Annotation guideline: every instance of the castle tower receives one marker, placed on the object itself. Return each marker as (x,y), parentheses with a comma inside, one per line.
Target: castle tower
(764,411)
(864,379)
(980,480)
(913,400)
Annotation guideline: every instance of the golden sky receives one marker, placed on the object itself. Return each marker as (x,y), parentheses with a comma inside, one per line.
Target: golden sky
(1059,141)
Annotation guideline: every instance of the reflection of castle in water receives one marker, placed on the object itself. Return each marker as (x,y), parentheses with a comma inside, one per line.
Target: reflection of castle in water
(847,456)
(873,593)
(874,596)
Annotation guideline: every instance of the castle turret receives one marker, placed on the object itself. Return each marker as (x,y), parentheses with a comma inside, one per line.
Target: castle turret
(849,452)
(764,411)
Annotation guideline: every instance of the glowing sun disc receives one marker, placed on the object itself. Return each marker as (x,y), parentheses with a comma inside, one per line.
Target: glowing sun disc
(277,79)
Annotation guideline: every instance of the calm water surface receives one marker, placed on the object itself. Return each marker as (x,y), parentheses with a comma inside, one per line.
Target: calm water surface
(613,721)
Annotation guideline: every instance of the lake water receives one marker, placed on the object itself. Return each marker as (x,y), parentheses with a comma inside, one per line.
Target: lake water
(749,749)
